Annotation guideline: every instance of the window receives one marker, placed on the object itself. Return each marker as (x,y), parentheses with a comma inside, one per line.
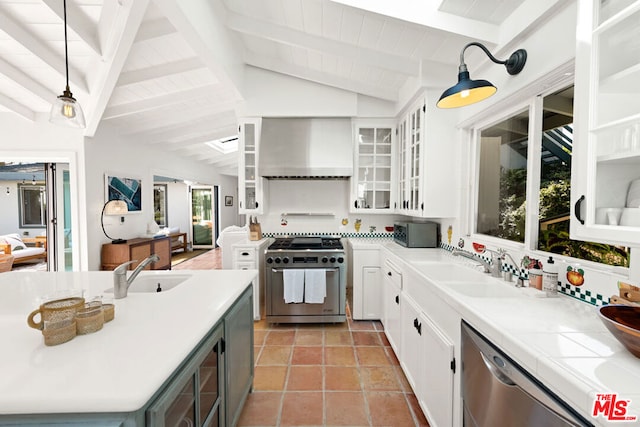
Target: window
(160,204)
(32,206)
(503,178)
(504,175)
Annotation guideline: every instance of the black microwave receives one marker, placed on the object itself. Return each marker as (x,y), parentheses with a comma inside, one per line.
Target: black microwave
(417,234)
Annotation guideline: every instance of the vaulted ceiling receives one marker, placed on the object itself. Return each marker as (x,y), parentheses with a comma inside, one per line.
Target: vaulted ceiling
(145,68)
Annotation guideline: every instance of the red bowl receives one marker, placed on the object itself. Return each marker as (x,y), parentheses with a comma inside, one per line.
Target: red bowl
(389,229)
(623,321)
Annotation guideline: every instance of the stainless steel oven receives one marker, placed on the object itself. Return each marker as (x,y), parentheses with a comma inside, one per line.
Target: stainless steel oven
(323,255)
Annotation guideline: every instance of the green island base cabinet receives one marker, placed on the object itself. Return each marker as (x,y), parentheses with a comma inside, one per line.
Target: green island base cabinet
(208,387)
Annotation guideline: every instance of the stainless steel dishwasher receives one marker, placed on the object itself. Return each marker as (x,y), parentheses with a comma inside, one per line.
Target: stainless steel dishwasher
(497,392)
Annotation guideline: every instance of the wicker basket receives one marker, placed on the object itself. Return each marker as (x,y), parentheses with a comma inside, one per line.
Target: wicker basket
(6,262)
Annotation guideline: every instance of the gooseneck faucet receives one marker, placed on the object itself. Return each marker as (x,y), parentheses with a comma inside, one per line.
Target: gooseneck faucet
(121,283)
(493,267)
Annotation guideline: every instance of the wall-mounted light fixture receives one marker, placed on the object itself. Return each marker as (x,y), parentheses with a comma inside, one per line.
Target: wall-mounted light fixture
(33,180)
(65,110)
(468,91)
(8,191)
(113,207)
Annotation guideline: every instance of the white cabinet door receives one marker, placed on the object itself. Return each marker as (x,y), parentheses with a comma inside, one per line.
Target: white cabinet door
(372,295)
(373,187)
(250,191)
(606,153)
(412,351)
(392,284)
(435,387)
(410,157)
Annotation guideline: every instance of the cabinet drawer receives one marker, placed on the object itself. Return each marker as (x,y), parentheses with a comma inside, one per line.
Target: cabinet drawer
(244,254)
(393,274)
(245,265)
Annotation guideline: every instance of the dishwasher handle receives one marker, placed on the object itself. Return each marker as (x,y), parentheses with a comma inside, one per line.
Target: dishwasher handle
(497,373)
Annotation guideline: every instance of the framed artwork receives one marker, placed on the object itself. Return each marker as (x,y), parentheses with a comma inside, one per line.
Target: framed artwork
(228,200)
(127,189)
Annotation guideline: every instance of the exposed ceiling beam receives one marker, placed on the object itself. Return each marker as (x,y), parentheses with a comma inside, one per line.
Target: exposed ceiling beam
(426,13)
(272,64)
(21,78)
(222,131)
(291,37)
(78,22)
(160,101)
(157,71)
(202,24)
(17,108)
(42,51)
(154,29)
(182,118)
(167,133)
(125,27)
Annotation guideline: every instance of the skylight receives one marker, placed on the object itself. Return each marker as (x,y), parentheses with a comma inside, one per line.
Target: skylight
(224,145)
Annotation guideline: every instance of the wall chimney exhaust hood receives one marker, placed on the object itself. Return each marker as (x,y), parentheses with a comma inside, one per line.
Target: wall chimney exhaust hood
(306,148)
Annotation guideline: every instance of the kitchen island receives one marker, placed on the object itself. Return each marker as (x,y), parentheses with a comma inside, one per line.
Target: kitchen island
(120,373)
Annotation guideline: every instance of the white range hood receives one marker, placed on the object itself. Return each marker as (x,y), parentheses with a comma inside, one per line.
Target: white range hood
(306,148)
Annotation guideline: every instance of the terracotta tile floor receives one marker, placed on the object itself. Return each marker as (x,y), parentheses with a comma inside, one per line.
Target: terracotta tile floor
(323,374)
(328,375)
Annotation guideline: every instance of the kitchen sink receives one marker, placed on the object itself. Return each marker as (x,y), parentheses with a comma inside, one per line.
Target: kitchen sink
(150,283)
(485,290)
(452,272)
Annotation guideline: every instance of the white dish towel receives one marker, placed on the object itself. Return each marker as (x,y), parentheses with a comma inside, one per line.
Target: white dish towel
(293,285)
(315,285)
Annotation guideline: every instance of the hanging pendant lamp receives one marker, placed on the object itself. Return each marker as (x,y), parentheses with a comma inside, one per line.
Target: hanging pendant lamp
(468,91)
(65,110)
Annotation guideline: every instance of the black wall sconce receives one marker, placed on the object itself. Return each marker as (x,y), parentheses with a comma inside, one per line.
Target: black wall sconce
(468,91)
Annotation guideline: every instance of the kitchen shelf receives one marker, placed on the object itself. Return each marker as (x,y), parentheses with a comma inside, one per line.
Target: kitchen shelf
(308,214)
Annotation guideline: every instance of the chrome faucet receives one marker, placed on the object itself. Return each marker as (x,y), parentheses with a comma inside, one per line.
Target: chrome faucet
(493,267)
(121,283)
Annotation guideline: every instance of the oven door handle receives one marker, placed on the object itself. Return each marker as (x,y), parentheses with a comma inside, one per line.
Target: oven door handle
(328,270)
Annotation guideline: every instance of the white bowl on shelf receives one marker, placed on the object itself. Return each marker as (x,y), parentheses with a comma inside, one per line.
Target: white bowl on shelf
(608,216)
(633,194)
(630,217)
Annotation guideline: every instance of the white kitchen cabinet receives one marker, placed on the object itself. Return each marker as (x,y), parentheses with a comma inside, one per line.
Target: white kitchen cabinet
(250,184)
(412,343)
(606,152)
(366,282)
(373,189)
(392,288)
(426,150)
(249,255)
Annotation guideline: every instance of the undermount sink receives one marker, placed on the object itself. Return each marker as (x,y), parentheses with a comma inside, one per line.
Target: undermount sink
(150,283)
(452,272)
(485,290)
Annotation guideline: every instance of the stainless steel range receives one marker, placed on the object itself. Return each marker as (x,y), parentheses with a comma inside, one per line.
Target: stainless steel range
(306,280)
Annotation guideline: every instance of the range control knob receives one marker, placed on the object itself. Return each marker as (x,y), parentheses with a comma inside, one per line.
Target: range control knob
(325,259)
(277,260)
(269,260)
(332,259)
(340,260)
(285,260)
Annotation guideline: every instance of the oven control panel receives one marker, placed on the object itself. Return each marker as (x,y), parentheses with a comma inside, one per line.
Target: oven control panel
(305,260)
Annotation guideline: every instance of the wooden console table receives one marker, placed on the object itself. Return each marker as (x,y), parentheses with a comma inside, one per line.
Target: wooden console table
(113,255)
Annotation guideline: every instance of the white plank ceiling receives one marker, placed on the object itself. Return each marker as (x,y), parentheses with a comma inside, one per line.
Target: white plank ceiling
(136,65)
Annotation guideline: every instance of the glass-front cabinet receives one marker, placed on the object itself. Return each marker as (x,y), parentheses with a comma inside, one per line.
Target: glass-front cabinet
(195,397)
(411,158)
(606,167)
(372,188)
(250,190)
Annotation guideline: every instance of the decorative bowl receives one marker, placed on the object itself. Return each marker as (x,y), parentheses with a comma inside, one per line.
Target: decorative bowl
(388,229)
(623,321)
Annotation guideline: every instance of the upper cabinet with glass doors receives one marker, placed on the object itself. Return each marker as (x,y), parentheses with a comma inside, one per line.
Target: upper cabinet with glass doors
(426,152)
(606,167)
(250,190)
(372,188)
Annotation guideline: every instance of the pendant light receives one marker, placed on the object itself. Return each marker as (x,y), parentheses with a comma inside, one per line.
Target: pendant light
(65,110)
(468,91)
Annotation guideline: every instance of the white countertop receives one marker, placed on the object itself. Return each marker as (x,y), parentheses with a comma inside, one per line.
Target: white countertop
(561,340)
(119,368)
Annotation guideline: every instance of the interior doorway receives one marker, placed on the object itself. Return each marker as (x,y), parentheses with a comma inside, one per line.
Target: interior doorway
(204,216)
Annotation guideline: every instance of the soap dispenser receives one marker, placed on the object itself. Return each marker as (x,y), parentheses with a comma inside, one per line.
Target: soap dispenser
(550,278)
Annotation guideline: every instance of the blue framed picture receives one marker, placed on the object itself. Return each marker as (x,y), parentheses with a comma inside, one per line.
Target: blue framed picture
(127,189)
